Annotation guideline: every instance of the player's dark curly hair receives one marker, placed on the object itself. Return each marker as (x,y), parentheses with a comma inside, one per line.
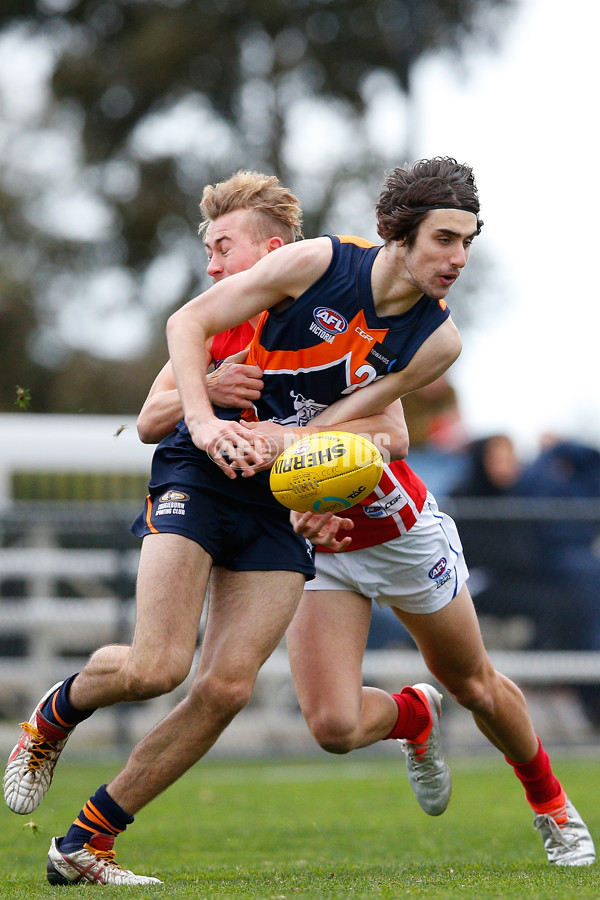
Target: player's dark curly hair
(436,183)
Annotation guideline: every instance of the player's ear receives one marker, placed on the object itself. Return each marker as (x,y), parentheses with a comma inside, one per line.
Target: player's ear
(273,243)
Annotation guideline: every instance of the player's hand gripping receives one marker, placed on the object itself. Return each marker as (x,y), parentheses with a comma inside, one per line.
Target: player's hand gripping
(322,528)
(234,384)
(276,438)
(233,448)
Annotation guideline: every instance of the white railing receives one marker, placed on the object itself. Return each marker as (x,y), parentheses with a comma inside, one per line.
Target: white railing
(58,633)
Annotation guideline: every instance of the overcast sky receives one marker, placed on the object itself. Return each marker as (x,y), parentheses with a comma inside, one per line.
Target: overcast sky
(526,119)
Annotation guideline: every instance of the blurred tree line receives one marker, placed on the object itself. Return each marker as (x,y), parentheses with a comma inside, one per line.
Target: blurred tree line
(121,111)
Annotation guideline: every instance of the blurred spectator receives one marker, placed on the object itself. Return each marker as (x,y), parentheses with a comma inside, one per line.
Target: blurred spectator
(493,468)
(433,417)
(499,548)
(544,568)
(568,549)
(437,435)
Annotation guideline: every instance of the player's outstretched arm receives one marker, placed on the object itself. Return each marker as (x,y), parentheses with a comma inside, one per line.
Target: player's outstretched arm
(432,359)
(387,430)
(233,384)
(236,299)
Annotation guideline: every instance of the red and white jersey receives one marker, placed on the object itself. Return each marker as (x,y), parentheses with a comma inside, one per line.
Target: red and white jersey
(389,512)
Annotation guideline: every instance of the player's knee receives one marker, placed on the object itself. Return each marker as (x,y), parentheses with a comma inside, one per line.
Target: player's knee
(146,683)
(225,696)
(334,733)
(473,694)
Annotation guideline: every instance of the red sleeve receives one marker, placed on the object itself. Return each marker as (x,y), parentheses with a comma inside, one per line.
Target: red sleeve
(231,341)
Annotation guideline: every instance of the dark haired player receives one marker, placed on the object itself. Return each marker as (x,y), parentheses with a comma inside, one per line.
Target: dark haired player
(396,285)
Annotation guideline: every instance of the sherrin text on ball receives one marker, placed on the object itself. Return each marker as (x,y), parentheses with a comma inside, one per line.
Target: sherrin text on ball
(326,472)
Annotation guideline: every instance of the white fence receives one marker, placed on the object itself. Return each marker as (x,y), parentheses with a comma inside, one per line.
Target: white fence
(60,632)
(67,579)
(33,442)
(59,627)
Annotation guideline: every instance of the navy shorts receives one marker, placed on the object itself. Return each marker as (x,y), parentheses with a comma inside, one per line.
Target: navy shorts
(240,536)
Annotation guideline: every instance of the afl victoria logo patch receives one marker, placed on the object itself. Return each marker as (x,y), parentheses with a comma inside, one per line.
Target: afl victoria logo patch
(331,321)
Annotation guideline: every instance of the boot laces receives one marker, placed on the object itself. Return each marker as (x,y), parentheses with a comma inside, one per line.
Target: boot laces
(41,747)
(105,856)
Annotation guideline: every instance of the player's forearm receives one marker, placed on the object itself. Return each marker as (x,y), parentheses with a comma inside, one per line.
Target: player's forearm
(364,404)
(159,416)
(432,359)
(387,430)
(186,338)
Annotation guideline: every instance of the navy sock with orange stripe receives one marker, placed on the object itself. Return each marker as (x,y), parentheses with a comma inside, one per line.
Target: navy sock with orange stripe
(100,815)
(58,711)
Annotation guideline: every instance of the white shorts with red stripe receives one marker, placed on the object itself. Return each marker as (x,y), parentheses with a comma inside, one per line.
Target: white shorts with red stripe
(419,572)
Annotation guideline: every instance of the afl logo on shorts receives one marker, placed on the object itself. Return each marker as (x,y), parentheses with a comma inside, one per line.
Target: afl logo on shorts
(173,496)
(438,569)
(331,321)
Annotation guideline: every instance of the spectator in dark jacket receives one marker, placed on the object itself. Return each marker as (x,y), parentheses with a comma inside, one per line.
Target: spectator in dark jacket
(568,548)
(540,563)
(498,546)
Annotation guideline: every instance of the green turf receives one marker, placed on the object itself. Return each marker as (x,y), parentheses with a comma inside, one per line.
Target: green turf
(338,828)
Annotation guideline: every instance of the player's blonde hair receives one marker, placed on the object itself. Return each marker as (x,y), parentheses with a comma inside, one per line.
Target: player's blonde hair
(278,211)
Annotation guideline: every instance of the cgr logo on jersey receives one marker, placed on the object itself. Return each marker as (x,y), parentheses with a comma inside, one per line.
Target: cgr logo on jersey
(328,323)
(385,506)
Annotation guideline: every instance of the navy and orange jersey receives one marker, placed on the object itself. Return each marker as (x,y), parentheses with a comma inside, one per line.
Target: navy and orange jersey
(330,341)
(324,345)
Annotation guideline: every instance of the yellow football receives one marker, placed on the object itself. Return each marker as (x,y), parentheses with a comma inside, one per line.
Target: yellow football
(326,472)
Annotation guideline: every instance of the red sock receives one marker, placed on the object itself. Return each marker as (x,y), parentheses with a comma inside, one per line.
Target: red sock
(413,715)
(536,776)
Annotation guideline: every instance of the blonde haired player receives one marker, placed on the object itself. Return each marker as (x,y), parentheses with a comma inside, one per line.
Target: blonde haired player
(251,602)
(434,258)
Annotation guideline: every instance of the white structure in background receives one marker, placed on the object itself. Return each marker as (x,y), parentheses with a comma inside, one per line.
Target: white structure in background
(31,442)
(96,614)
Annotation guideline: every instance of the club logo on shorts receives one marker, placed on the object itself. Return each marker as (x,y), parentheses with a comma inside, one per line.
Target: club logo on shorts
(171,503)
(438,569)
(170,496)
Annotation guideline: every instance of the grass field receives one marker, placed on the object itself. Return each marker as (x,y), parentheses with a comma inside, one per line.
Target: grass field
(344,827)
